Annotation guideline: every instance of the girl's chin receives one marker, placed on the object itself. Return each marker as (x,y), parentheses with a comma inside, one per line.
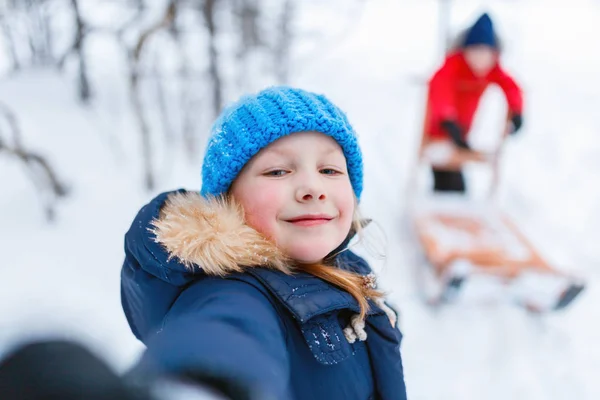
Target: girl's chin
(311,256)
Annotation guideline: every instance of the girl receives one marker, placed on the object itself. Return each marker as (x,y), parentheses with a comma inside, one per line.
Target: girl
(251,278)
(456,88)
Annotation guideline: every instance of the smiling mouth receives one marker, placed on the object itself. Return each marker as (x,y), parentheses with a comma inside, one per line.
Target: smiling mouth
(310,220)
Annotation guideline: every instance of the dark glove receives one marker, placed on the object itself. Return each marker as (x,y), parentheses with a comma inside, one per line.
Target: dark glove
(455,133)
(517,121)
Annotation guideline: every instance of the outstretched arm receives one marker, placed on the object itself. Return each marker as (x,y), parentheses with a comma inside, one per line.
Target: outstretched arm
(223,327)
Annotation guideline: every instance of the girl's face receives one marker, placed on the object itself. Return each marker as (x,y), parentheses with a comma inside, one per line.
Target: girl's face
(297,192)
(481,59)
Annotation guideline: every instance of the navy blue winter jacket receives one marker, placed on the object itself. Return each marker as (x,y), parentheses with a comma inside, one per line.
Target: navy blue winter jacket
(197,306)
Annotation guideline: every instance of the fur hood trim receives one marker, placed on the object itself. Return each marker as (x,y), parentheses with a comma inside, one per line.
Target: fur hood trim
(210,234)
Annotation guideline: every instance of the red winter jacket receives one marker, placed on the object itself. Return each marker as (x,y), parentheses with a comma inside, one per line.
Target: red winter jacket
(454,94)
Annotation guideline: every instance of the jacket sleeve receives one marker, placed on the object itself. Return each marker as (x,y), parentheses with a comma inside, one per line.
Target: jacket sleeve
(441,98)
(226,327)
(512,91)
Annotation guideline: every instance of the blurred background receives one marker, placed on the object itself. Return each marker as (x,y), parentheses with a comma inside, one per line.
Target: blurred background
(105,103)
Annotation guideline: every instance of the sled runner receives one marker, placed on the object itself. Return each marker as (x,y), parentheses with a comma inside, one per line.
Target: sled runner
(473,249)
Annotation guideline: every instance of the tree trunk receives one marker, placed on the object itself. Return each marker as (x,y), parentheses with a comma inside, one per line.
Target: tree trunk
(213,69)
(282,48)
(135,59)
(80,32)
(10,43)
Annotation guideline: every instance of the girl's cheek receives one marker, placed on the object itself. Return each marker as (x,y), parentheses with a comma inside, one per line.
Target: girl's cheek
(345,198)
(266,193)
(262,206)
(259,223)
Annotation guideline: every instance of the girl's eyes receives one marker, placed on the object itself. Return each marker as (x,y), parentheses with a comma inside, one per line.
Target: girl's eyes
(276,172)
(330,171)
(282,172)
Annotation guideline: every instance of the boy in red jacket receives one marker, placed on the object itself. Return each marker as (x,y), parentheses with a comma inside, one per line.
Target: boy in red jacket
(456,88)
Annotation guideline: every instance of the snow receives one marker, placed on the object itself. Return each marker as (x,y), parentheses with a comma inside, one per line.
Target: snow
(63,279)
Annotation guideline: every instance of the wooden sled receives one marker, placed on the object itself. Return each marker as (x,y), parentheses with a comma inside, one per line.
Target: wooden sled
(465,240)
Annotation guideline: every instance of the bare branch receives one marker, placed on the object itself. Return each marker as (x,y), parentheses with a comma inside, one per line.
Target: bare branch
(139,13)
(37,165)
(167,20)
(11,120)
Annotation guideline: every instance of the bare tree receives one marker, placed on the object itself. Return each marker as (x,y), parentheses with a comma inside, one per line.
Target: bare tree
(80,32)
(77,48)
(134,79)
(40,35)
(9,40)
(190,105)
(161,97)
(188,101)
(139,9)
(281,52)
(247,14)
(248,29)
(27,21)
(42,174)
(208,11)
(262,38)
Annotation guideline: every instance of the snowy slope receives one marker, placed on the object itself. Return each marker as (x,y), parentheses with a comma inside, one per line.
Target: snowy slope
(63,279)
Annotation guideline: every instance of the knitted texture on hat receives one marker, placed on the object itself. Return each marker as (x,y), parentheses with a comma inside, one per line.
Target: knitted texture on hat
(255,121)
(482,32)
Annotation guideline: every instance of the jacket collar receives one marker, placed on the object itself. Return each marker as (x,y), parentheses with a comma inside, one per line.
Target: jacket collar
(307,296)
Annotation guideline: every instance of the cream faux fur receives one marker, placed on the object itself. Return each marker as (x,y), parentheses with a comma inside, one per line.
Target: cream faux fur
(210,234)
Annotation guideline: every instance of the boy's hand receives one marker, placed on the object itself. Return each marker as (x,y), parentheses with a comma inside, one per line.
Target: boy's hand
(455,133)
(517,122)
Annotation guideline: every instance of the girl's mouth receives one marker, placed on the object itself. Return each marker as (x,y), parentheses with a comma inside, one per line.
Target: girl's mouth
(310,220)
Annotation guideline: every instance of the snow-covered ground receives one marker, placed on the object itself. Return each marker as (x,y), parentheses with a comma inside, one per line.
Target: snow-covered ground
(63,279)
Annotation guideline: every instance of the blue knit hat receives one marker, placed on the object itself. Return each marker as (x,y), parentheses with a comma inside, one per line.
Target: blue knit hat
(255,121)
(482,32)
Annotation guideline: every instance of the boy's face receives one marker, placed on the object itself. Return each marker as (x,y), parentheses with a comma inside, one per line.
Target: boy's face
(481,59)
(297,192)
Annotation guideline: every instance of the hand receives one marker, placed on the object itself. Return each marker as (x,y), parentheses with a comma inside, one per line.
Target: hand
(455,133)
(462,156)
(480,156)
(517,122)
